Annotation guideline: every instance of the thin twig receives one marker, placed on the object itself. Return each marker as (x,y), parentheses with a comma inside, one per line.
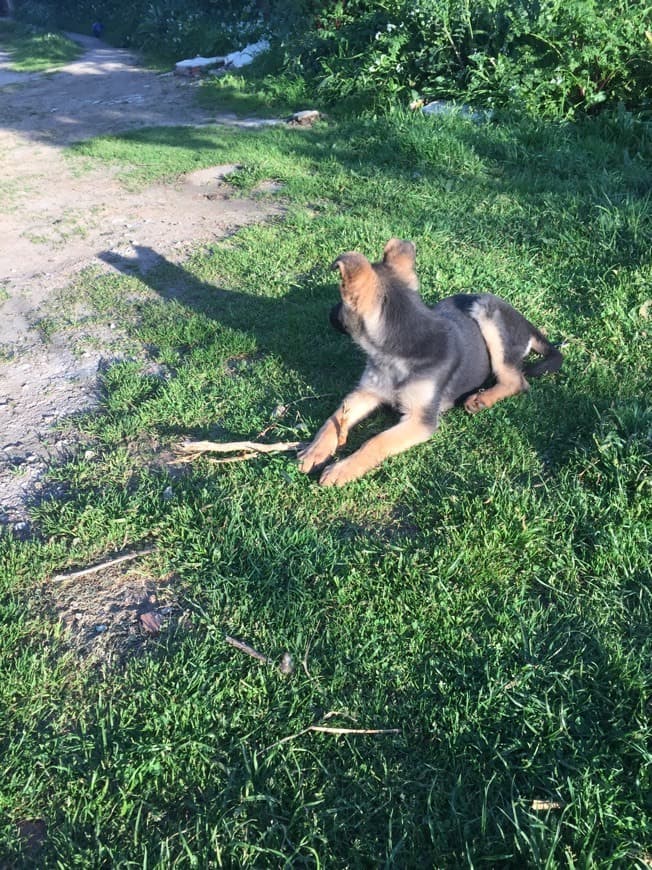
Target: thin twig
(326,729)
(543,806)
(305,657)
(240,458)
(285,740)
(245,648)
(95,569)
(234,446)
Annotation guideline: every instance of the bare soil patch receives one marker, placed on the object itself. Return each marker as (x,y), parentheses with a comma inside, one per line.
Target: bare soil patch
(114,614)
(55,222)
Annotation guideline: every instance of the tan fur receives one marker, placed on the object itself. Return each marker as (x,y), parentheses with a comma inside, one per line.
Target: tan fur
(359,285)
(416,396)
(409,432)
(509,379)
(335,431)
(537,346)
(400,256)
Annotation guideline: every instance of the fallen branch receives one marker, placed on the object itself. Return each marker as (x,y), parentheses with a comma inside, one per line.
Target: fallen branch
(95,569)
(287,663)
(251,447)
(245,648)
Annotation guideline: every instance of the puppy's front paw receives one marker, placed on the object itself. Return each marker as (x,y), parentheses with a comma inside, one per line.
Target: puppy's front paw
(321,448)
(475,403)
(314,455)
(340,473)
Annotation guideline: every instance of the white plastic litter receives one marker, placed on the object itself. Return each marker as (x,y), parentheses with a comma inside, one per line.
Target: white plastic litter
(197,65)
(238,59)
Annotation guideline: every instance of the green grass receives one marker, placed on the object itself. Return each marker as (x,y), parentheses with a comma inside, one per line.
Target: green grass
(487,594)
(262,88)
(32,49)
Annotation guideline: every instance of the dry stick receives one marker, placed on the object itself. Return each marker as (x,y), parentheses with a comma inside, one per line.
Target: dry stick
(326,730)
(329,730)
(224,459)
(94,569)
(233,446)
(245,648)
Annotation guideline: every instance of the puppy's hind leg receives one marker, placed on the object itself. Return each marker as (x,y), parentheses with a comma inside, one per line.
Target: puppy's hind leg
(505,362)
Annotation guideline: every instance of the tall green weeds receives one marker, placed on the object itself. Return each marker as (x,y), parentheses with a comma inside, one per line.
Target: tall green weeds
(551,58)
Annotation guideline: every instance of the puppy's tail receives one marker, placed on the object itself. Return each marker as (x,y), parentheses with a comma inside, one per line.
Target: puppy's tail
(551,358)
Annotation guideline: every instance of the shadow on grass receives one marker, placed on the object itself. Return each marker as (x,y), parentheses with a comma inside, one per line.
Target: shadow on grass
(294,327)
(577,197)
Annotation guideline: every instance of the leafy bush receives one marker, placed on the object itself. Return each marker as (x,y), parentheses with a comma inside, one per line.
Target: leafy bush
(552,58)
(167,29)
(36,12)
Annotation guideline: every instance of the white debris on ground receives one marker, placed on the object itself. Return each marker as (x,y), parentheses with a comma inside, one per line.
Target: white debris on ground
(238,59)
(195,66)
(449,107)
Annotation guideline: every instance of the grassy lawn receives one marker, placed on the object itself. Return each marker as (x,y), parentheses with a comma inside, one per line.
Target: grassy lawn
(486,594)
(34,50)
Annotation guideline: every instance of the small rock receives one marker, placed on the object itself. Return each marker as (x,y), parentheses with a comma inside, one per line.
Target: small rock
(151,622)
(287,664)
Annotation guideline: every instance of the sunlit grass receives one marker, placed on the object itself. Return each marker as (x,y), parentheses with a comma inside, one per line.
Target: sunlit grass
(487,594)
(32,49)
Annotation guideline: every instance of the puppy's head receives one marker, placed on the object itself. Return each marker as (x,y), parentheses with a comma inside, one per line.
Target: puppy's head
(363,285)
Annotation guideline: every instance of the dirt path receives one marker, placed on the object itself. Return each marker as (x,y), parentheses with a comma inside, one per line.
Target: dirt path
(54,222)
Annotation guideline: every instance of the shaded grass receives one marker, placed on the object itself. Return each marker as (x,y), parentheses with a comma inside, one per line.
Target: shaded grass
(32,49)
(487,593)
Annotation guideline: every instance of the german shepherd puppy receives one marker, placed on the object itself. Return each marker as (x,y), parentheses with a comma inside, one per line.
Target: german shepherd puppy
(420,360)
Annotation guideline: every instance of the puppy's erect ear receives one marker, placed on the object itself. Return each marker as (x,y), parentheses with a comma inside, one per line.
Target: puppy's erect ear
(351,265)
(399,249)
(400,256)
(359,284)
